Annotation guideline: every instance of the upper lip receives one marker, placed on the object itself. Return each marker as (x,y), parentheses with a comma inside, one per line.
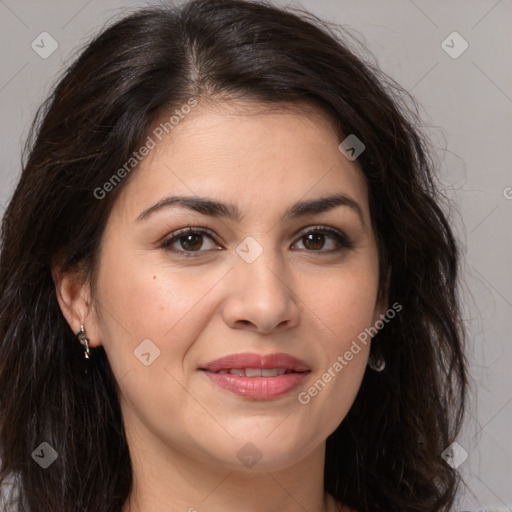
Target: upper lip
(252,360)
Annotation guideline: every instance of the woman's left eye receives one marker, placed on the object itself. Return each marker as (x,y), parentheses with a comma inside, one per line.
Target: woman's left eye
(315,237)
(314,240)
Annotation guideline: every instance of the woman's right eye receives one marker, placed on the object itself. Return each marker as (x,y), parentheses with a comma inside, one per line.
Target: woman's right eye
(190,240)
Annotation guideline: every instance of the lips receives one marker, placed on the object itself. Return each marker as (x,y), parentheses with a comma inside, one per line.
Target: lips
(257,361)
(256,376)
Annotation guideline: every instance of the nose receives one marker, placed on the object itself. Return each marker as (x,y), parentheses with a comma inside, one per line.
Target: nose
(260,296)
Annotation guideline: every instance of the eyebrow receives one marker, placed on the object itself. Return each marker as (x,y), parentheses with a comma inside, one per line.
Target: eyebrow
(213,208)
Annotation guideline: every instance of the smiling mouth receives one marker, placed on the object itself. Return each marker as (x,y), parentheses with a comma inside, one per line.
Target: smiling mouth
(256,365)
(257,372)
(255,376)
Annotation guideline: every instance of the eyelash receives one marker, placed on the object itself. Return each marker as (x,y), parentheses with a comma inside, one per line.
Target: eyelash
(343,240)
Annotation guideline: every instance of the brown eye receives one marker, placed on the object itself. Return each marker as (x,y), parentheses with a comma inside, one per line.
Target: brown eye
(188,241)
(192,241)
(316,240)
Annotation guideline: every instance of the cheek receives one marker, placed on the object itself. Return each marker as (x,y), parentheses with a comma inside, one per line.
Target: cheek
(346,306)
(156,311)
(345,302)
(139,301)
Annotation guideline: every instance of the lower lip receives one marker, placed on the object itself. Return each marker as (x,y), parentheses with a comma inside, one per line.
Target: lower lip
(257,388)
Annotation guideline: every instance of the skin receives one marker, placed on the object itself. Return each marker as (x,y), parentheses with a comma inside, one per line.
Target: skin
(183,431)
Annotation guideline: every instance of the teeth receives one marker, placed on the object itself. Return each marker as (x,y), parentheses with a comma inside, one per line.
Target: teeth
(255,372)
(270,372)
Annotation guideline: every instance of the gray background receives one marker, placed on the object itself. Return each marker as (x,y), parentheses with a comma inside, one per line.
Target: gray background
(466,105)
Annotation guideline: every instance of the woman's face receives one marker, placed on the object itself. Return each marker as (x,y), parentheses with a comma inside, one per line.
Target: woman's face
(263,273)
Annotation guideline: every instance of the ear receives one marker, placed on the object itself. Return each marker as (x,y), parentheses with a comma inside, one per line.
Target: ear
(74,297)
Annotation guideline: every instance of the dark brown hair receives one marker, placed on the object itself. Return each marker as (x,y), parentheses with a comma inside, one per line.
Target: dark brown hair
(386,454)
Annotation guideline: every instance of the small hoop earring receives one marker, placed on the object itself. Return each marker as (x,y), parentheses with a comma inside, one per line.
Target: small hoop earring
(376,363)
(84,341)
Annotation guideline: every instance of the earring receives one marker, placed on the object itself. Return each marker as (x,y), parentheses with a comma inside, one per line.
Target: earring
(84,341)
(376,363)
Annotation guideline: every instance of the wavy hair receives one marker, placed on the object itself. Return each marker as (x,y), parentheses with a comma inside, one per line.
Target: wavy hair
(386,453)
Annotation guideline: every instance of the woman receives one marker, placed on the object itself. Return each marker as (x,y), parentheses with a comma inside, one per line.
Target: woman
(226,279)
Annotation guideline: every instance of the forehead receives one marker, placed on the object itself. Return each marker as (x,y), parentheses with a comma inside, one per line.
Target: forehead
(257,158)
